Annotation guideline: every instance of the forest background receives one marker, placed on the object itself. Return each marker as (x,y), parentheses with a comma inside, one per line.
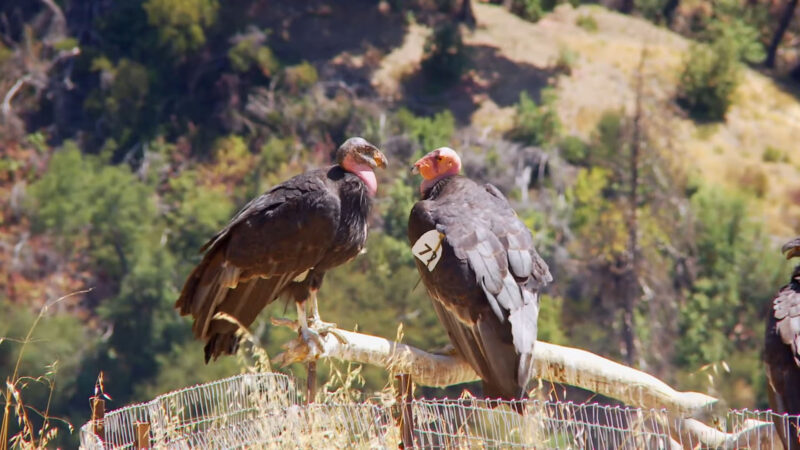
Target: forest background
(650,145)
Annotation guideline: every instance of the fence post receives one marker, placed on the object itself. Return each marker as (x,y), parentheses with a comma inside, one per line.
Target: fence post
(311,382)
(98,417)
(142,432)
(404,397)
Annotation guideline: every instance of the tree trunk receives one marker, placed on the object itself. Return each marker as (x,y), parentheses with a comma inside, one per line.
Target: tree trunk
(669,12)
(795,73)
(783,25)
(466,15)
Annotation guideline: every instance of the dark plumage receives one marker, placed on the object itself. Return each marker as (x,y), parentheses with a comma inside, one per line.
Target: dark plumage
(782,353)
(281,244)
(485,286)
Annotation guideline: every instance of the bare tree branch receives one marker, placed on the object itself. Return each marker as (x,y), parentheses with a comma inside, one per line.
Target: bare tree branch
(554,363)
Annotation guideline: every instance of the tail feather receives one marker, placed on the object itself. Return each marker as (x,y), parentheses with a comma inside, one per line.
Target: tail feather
(243,304)
(217,287)
(488,349)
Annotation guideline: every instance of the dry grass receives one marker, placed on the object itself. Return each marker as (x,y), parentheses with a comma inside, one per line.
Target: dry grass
(30,435)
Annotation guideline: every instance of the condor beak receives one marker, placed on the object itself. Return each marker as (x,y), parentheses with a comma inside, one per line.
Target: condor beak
(791,248)
(380,159)
(423,167)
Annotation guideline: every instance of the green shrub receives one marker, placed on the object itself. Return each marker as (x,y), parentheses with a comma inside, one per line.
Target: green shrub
(773,155)
(587,22)
(532,10)
(301,76)
(537,124)
(427,133)
(445,57)
(248,53)
(566,61)
(574,150)
(709,78)
(181,24)
(740,34)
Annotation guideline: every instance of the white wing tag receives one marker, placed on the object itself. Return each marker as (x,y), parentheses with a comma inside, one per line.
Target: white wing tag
(428,249)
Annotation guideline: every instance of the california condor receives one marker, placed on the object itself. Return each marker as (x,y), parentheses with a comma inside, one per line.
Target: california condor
(281,244)
(782,353)
(482,272)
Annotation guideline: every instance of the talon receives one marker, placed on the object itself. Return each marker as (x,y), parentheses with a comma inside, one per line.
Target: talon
(313,340)
(283,322)
(324,328)
(320,326)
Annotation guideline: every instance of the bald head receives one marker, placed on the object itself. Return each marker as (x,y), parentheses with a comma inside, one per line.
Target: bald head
(441,163)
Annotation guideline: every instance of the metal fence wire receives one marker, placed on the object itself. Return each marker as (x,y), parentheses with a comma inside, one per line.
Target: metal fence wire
(265,411)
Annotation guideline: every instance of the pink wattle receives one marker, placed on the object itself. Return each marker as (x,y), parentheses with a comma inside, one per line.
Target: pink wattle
(368,177)
(363,171)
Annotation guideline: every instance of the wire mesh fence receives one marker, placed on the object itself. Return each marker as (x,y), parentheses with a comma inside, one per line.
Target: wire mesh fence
(265,411)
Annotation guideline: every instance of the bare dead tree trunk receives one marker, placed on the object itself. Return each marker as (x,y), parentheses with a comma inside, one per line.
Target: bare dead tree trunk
(631,289)
(626,6)
(783,25)
(669,12)
(466,15)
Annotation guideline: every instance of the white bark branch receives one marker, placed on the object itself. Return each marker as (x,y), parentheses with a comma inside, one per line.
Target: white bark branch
(554,363)
(5,108)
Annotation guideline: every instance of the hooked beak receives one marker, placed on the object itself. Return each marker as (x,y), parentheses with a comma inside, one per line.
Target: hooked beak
(380,159)
(791,248)
(423,167)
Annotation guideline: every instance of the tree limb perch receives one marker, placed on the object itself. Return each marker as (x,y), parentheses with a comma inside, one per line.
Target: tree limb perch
(553,363)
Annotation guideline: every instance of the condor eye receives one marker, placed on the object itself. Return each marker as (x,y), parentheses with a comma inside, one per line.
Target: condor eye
(441,158)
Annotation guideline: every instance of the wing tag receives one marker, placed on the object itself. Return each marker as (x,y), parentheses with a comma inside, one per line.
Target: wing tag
(428,249)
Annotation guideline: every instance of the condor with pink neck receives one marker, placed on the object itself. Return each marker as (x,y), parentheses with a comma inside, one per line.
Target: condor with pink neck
(441,163)
(362,170)
(360,158)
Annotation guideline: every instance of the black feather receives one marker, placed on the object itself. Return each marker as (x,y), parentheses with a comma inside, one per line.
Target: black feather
(485,287)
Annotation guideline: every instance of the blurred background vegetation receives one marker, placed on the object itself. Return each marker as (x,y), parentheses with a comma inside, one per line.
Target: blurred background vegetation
(650,145)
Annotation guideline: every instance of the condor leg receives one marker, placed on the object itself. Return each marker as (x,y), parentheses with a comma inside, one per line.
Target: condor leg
(318,324)
(309,336)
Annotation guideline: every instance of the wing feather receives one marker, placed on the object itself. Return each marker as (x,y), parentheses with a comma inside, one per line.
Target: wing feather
(484,235)
(273,239)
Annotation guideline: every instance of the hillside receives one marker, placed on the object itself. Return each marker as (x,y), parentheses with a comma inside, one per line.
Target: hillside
(512,55)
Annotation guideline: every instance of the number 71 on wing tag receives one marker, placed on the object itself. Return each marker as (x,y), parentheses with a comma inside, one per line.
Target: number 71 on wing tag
(428,248)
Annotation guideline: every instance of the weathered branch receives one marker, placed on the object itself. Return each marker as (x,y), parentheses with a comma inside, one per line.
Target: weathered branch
(554,363)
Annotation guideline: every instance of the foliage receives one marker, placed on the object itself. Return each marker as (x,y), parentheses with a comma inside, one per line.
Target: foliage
(25,349)
(741,35)
(444,57)
(774,155)
(532,10)
(738,274)
(395,217)
(106,206)
(123,100)
(427,133)
(537,124)
(301,76)
(587,22)
(573,149)
(566,61)
(710,76)
(248,53)
(181,24)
